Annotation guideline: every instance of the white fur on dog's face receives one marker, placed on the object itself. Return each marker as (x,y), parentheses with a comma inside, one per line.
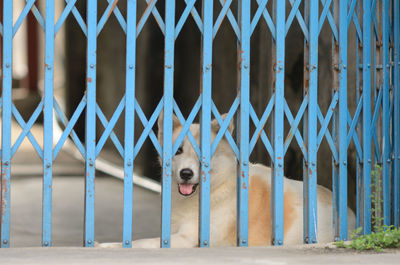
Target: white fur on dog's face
(186,158)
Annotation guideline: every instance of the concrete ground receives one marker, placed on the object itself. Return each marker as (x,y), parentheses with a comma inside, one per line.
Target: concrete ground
(68,205)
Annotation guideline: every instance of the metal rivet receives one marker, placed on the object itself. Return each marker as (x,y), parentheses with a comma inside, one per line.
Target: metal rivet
(90,163)
(245,163)
(368,65)
(165,242)
(306,240)
(7,65)
(387,65)
(208,67)
(5,241)
(127,242)
(168,66)
(388,160)
(6,163)
(344,66)
(48,165)
(46,243)
(129,163)
(314,240)
(313,164)
(167,164)
(205,243)
(279,165)
(245,66)
(205,164)
(279,242)
(369,160)
(89,242)
(244,241)
(48,67)
(344,163)
(337,238)
(91,65)
(130,66)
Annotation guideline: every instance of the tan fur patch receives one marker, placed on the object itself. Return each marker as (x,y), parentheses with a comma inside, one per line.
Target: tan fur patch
(260,213)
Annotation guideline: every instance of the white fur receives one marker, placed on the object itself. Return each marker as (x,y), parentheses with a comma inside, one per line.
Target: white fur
(185,210)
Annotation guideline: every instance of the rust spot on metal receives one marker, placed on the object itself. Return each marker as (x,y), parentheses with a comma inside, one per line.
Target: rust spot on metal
(3,199)
(89,79)
(279,157)
(244,186)
(112,8)
(243,174)
(310,171)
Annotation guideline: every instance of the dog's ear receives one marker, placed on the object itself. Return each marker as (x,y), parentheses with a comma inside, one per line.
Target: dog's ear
(160,124)
(215,125)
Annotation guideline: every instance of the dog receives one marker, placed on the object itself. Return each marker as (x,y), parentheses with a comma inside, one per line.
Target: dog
(223,178)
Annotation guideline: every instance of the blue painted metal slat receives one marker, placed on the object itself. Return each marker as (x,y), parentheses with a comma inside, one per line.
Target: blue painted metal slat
(129,121)
(6,123)
(310,179)
(278,173)
(366,117)
(48,124)
(244,91)
(167,126)
(90,122)
(341,207)
(205,128)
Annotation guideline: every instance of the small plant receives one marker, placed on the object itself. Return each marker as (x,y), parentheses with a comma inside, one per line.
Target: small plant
(376,198)
(383,236)
(387,237)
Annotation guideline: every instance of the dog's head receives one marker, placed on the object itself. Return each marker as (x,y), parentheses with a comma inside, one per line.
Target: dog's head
(185,163)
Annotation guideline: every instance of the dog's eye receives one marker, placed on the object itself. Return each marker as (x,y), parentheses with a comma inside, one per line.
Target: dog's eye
(179,151)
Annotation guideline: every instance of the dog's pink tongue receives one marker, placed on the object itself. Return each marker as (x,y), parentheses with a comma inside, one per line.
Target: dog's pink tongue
(186,189)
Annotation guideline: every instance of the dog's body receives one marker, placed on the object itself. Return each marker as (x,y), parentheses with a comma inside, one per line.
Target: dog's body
(223,177)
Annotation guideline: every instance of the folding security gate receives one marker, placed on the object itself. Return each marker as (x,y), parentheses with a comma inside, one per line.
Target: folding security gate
(377,25)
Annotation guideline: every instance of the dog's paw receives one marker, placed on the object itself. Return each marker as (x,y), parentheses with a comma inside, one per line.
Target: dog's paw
(107,245)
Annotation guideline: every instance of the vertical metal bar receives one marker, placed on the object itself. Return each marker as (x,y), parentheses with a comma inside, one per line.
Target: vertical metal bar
(6,123)
(342,183)
(386,115)
(48,124)
(167,130)
(129,120)
(359,81)
(244,91)
(310,179)
(278,171)
(396,136)
(205,141)
(367,116)
(90,122)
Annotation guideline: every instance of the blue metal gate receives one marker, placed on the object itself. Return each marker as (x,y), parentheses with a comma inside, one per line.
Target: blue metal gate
(377,25)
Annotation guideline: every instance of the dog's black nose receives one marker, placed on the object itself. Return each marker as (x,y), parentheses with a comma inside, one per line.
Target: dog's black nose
(186,174)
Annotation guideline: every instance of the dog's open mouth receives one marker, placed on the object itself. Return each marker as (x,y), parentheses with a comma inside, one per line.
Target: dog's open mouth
(187,189)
